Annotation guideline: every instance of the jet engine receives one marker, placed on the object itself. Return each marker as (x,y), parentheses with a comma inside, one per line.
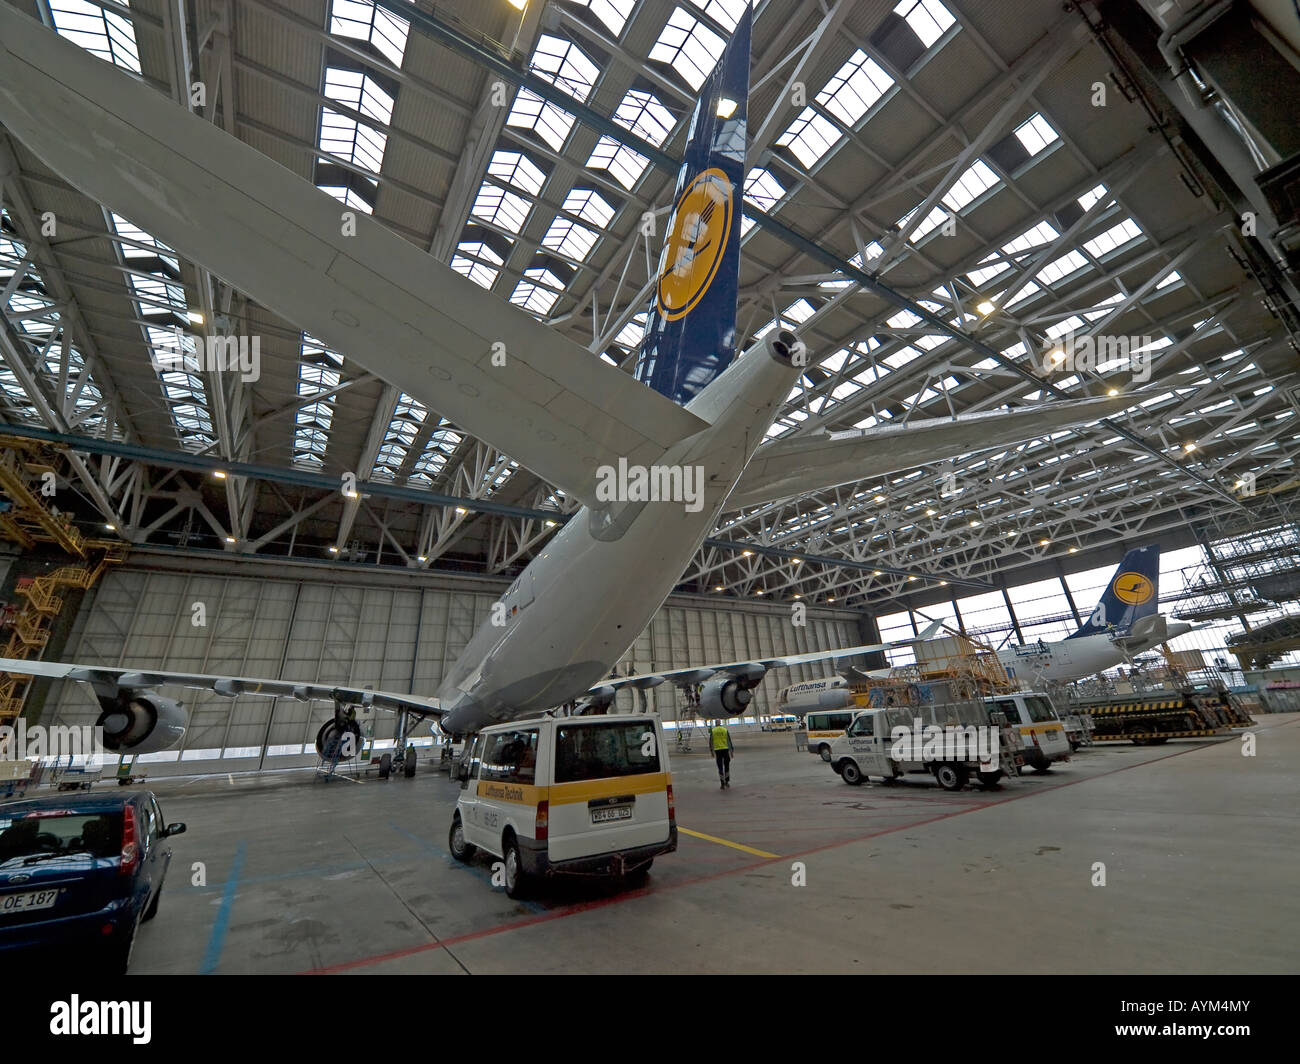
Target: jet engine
(332,739)
(140,723)
(729,694)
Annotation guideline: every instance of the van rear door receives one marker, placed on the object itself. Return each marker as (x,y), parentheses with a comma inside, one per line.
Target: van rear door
(610,790)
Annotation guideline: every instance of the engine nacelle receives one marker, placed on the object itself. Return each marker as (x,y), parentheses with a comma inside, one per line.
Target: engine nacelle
(141,723)
(730,693)
(341,741)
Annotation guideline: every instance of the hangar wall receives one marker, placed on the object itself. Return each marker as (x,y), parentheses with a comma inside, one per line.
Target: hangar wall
(392,631)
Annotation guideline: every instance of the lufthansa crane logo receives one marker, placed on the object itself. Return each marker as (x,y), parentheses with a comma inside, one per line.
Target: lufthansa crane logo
(697,240)
(1133,588)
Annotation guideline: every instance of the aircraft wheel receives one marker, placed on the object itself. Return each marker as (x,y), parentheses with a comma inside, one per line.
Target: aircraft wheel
(408,765)
(385,766)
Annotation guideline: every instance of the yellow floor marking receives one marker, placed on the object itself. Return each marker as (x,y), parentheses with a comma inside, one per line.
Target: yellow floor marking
(724,842)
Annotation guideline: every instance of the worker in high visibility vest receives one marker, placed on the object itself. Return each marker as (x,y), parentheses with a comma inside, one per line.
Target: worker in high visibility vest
(723,751)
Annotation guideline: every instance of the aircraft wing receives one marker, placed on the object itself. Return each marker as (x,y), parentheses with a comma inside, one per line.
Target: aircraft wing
(701,673)
(109,680)
(817,461)
(360,289)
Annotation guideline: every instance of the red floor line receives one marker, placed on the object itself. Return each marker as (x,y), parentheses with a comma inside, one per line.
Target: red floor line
(600,903)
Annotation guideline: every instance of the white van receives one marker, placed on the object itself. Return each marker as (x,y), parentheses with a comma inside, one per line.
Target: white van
(1041,730)
(555,795)
(823,727)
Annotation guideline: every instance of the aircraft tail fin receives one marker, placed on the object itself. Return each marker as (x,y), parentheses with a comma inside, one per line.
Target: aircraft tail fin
(690,334)
(1133,592)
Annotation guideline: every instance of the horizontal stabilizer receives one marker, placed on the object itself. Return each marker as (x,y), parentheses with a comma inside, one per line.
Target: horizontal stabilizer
(817,461)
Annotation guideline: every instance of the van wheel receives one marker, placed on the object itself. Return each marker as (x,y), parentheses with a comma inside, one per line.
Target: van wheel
(825,751)
(989,780)
(889,781)
(851,773)
(460,849)
(951,777)
(1042,767)
(516,880)
(638,876)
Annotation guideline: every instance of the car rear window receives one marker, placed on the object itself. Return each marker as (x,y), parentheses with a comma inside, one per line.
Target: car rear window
(593,751)
(59,835)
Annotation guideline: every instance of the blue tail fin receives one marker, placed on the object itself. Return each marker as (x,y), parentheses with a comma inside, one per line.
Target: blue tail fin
(690,332)
(1133,592)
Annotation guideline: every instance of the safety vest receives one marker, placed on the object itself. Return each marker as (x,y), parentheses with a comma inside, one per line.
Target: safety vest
(720,737)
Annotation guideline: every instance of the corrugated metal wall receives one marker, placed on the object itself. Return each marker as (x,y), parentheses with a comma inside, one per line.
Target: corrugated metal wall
(346,630)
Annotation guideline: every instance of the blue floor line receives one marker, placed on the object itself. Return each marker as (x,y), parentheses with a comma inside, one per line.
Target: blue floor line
(222,922)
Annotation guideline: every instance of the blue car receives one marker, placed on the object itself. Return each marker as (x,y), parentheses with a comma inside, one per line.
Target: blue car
(79,874)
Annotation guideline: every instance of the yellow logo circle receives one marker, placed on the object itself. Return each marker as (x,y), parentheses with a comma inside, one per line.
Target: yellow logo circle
(697,239)
(1133,588)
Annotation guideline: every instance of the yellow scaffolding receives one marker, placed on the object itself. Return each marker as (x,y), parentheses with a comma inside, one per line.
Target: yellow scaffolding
(30,521)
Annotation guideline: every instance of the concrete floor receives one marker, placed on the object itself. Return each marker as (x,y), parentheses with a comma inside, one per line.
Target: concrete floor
(1201,848)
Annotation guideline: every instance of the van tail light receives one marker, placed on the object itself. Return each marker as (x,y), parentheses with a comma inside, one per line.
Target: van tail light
(1034,735)
(672,807)
(130,843)
(543,821)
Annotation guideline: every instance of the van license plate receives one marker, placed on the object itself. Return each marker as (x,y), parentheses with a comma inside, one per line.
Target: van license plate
(23,903)
(619,812)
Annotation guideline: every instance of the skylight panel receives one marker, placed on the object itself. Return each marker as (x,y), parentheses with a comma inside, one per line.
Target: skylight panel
(499,207)
(1041,234)
(570,239)
(926,226)
(613,13)
(1092,196)
(643,114)
(565,65)
(442,444)
(517,170)
(363,21)
(408,419)
(810,137)
(1058,268)
(1171,278)
(1115,237)
(972,184)
(619,161)
(929,19)
(590,206)
(551,123)
(1036,133)
(632,333)
(724,12)
(99,31)
(538,291)
(477,261)
(345,137)
(856,86)
(689,47)
(762,189)
(319,371)
(982,274)
(348,197)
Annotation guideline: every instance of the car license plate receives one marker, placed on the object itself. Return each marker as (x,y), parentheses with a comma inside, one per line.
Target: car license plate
(23,903)
(619,812)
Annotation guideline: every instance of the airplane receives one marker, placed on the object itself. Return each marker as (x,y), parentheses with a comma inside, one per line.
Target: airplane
(696,404)
(1125,622)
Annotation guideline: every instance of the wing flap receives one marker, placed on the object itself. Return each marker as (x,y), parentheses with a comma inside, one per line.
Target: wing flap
(818,461)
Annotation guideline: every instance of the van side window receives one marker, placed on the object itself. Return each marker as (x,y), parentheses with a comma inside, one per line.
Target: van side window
(1008,706)
(510,757)
(863,727)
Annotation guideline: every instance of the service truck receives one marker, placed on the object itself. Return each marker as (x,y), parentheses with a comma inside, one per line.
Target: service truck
(952,742)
